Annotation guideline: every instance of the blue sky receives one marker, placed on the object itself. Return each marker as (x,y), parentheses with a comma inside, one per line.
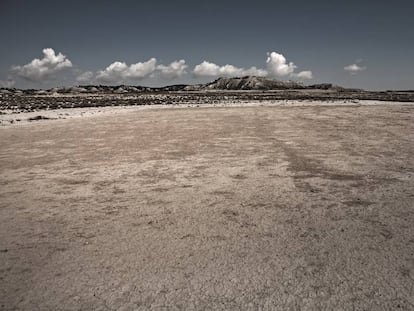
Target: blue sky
(367,44)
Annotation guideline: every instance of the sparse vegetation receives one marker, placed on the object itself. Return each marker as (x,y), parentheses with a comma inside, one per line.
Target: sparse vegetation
(246,89)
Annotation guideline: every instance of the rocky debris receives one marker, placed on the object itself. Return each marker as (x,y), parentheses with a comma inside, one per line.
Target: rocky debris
(12,103)
(37,118)
(324,86)
(243,89)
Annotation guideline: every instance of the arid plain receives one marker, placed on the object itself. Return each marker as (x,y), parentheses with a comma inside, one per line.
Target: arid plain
(258,208)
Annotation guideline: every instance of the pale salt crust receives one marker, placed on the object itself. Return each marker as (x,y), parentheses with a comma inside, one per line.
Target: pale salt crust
(12,118)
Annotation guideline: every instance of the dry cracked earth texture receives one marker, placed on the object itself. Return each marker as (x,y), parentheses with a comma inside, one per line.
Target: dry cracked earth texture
(264,208)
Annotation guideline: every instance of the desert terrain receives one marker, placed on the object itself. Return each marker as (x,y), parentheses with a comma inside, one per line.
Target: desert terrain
(288,205)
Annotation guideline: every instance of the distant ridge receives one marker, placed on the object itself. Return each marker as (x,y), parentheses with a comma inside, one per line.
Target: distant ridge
(248,88)
(232,84)
(252,83)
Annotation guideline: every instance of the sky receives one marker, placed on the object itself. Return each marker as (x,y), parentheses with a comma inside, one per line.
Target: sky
(365,44)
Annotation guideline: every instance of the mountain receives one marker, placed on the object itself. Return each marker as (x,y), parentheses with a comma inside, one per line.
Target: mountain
(231,84)
(247,88)
(251,83)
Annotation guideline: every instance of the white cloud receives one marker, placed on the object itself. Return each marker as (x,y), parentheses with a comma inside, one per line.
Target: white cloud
(277,65)
(354,68)
(85,77)
(119,72)
(7,83)
(142,70)
(174,70)
(208,69)
(307,74)
(45,68)
(253,71)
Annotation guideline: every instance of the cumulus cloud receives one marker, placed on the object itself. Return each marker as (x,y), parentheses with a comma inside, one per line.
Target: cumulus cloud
(118,72)
(85,77)
(354,68)
(208,69)
(278,66)
(307,74)
(253,71)
(45,68)
(174,70)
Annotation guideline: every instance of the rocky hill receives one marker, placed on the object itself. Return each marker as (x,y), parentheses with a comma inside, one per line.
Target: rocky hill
(258,87)
(233,84)
(251,83)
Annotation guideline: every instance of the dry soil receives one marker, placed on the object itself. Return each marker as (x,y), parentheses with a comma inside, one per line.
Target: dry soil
(255,208)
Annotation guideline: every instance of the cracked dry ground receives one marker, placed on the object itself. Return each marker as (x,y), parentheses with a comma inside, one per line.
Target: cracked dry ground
(266,208)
